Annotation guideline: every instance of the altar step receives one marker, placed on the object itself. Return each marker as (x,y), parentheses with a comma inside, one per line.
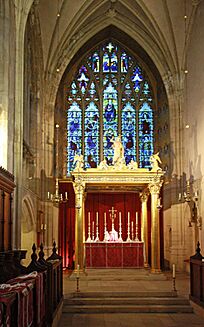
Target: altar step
(126,302)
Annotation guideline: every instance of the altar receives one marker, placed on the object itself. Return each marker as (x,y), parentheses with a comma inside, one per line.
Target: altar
(114,255)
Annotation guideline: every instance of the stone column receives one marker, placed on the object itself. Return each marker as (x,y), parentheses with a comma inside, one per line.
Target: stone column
(79,188)
(154,188)
(144,226)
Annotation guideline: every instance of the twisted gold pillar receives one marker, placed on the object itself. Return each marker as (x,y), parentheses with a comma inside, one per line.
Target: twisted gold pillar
(79,188)
(154,188)
(144,226)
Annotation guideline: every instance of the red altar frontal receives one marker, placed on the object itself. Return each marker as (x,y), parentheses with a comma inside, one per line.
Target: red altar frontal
(114,255)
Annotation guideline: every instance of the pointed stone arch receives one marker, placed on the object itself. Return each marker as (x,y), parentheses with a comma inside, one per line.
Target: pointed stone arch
(28,226)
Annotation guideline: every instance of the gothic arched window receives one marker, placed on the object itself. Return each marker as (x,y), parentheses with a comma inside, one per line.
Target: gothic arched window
(110,94)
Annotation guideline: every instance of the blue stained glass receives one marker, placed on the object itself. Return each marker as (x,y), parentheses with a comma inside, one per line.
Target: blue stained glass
(105,80)
(74,134)
(137,78)
(110,123)
(92,90)
(146,93)
(74,90)
(129,132)
(124,63)
(95,62)
(128,91)
(145,135)
(114,62)
(106,64)
(91,136)
(83,79)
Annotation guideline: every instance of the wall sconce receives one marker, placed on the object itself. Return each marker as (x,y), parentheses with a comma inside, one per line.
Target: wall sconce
(159,205)
(192,198)
(43,227)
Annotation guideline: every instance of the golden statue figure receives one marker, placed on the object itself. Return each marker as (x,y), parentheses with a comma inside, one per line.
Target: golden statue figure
(155,161)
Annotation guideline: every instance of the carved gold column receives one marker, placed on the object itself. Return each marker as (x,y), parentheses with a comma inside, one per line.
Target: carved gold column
(154,188)
(144,225)
(79,188)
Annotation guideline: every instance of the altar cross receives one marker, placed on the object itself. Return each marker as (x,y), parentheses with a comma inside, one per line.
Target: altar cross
(112,215)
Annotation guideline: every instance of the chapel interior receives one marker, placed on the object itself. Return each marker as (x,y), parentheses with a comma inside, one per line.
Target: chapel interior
(80,82)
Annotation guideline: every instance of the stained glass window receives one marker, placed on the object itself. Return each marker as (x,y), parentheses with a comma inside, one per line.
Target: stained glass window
(74,133)
(129,132)
(110,94)
(110,121)
(91,133)
(145,134)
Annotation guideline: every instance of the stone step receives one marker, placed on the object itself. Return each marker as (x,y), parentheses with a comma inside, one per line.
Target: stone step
(125,301)
(110,294)
(127,309)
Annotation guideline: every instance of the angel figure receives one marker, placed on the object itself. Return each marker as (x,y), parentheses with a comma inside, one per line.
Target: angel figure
(118,149)
(103,164)
(133,165)
(78,159)
(155,161)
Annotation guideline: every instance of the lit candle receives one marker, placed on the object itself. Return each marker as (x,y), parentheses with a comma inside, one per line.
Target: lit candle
(120,218)
(104,218)
(174,270)
(48,195)
(41,226)
(61,197)
(45,227)
(180,197)
(77,271)
(136,220)
(66,197)
(97,218)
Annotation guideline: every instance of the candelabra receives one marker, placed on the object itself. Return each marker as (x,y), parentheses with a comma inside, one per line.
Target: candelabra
(192,199)
(57,197)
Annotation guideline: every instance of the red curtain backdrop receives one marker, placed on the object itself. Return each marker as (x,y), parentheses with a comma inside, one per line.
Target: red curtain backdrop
(67,225)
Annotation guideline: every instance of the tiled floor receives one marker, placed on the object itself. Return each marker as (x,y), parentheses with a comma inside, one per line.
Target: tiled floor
(129,280)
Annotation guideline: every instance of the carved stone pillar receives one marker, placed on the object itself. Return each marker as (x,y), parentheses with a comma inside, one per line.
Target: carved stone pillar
(79,188)
(144,225)
(154,188)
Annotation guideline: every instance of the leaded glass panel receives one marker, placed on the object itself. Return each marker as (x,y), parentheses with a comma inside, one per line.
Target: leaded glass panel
(91,138)
(74,133)
(129,132)
(145,135)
